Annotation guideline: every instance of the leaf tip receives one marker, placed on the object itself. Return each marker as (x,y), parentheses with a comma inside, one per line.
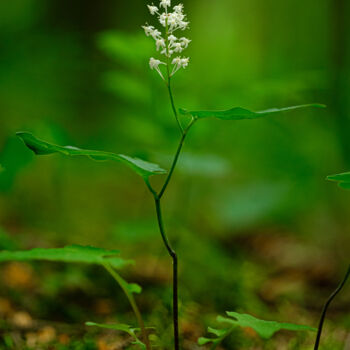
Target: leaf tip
(319,105)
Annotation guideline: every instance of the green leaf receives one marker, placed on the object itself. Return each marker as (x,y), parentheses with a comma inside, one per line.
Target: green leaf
(203,340)
(134,288)
(239,113)
(69,254)
(343,180)
(218,332)
(121,327)
(40,147)
(117,327)
(266,329)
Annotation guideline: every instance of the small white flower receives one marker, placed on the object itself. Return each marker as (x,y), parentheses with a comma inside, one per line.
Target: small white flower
(179,8)
(172,22)
(153,9)
(155,34)
(184,62)
(165,3)
(167,53)
(154,64)
(183,25)
(179,17)
(177,47)
(185,42)
(163,18)
(148,30)
(176,60)
(178,63)
(160,43)
(172,38)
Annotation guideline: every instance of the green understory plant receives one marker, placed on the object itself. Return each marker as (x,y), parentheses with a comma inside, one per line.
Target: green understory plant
(265,329)
(108,259)
(171,21)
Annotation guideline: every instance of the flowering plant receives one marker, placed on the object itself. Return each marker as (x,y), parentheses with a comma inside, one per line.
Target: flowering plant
(169,45)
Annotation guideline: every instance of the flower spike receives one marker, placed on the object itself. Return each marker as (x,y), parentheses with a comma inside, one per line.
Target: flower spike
(166,42)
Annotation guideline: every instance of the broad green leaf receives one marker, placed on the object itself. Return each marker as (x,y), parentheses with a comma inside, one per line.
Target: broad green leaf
(239,113)
(343,180)
(40,147)
(266,329)
(69,254)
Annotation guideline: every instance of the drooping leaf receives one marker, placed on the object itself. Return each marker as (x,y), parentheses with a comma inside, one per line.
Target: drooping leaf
(266,329)
(40,147)
(239,113)
(123,328)
(342,179)
(117,327)
(69,254)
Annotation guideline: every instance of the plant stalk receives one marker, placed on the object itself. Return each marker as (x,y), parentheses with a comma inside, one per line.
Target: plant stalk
(158,196)
(173,255)
(325,308)
(176,158)
(131,299)
(172,100)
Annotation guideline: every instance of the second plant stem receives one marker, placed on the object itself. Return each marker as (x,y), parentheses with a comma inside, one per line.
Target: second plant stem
(124,285)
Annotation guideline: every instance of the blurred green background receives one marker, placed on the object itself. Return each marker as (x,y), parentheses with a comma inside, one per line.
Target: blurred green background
(256,226)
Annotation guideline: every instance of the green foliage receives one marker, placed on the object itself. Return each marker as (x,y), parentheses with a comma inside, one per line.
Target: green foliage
(265,329)
(343,180)
(239,113)
(123,328)
(68,254)
(40,147)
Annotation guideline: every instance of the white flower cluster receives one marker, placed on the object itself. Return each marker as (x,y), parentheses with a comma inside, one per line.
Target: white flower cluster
(169,44)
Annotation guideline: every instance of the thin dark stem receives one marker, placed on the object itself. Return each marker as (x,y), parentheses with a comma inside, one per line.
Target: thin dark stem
(171,251)
(325,308)
(175,273)
(177,154)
